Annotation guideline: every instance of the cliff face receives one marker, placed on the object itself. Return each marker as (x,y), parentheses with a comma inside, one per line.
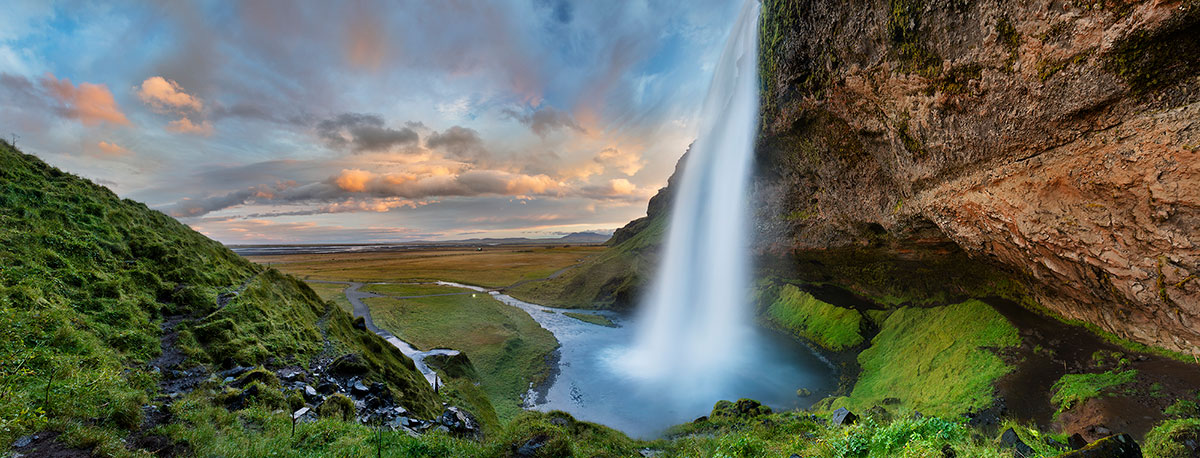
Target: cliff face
(1058,141)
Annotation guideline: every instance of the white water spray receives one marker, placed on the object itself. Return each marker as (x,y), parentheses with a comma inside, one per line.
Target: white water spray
(695,320)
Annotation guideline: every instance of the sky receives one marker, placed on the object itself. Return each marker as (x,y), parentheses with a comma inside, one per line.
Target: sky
(321,122)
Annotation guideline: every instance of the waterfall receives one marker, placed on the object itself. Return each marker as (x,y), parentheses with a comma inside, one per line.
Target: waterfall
(695,321)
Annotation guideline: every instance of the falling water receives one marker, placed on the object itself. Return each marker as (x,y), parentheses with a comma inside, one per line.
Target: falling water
(694,329)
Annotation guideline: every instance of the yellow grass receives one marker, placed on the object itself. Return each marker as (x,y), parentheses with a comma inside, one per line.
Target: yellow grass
(493,267)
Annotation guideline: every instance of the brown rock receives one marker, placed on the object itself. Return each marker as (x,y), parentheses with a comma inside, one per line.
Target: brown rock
(1059,142)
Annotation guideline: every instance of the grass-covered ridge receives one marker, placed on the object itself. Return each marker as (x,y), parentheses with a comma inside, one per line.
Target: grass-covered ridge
(86,279)
(1074,389)
(936,360)
(832,327)
(611,279)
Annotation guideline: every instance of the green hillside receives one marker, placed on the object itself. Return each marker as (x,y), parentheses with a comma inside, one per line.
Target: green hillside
(87,280)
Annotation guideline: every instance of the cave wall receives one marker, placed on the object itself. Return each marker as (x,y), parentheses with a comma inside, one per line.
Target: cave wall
(1058,141)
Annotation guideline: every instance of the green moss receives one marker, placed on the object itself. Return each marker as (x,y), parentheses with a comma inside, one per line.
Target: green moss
(904,32)
(1169,439)
(911,144)
(827,325)
(1008,37)
(1148,59)
(599,320)
(1048,68)
(1073,389)
(936,360)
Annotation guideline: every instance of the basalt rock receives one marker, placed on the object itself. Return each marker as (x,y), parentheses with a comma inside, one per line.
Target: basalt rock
(1119,446)
(1055,143)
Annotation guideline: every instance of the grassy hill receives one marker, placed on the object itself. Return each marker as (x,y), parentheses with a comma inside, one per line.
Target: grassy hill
(87,280)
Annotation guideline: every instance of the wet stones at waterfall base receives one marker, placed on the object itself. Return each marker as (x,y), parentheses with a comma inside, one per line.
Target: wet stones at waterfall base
(843,416)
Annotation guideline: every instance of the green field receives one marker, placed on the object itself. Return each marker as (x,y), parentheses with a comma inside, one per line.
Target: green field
(333,292)
(492,267)
(507,348)
(404,290)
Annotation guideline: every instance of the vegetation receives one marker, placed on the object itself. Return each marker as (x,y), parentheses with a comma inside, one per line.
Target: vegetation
(493,267)
(592,318)
(611,278)
(86,279)
(904,30)
(827,325)
(935,360)
(507,348)
(414,289)
(1074,389)
(333,292)
(1169,439)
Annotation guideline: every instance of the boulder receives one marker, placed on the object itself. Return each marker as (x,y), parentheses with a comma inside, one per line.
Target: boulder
(348,365)
(310,393)
(1076,442)
(743,408)
(842,416)
(1119,446)
(359,389)
(1010,439)
(948,452)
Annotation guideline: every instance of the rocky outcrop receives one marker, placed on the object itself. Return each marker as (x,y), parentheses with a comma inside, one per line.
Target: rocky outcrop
(1056,141)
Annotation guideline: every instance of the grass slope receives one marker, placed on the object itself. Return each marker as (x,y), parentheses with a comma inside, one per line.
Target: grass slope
(936,360)
(1073,389)
(828,325)
(611,279)
(85,280)
(507,348)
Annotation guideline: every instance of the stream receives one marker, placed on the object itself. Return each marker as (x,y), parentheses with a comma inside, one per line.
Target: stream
(589,387)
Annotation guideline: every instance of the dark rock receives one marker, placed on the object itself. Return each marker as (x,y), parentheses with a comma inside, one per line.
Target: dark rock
(1100,431)
(948,452)
(359,389)
(1010,439)
(530,448)
(310,393)
(327,388)
(348,365)
(1053,443)
(379,389)
(23,441)
(1119,446)
(360,323)
(1076,442)
(842,416)
(879,414)
(559,421)
(235,371)
(701,419)
(891,401)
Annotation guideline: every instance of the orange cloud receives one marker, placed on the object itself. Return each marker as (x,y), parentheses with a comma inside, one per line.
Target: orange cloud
(90,103)
(186,126)
(112,149)
(353,180)
(164,95)
(627,162)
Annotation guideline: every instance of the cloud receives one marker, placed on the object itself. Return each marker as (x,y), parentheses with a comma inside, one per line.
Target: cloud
(90,103)
(165,95)
(186,126)
(627,162)
(112,149)
(544,120)
(459,143)
(363,133)
(617,188)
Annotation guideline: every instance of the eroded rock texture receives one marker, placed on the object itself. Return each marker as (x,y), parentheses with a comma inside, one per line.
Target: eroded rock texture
(1057,140)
